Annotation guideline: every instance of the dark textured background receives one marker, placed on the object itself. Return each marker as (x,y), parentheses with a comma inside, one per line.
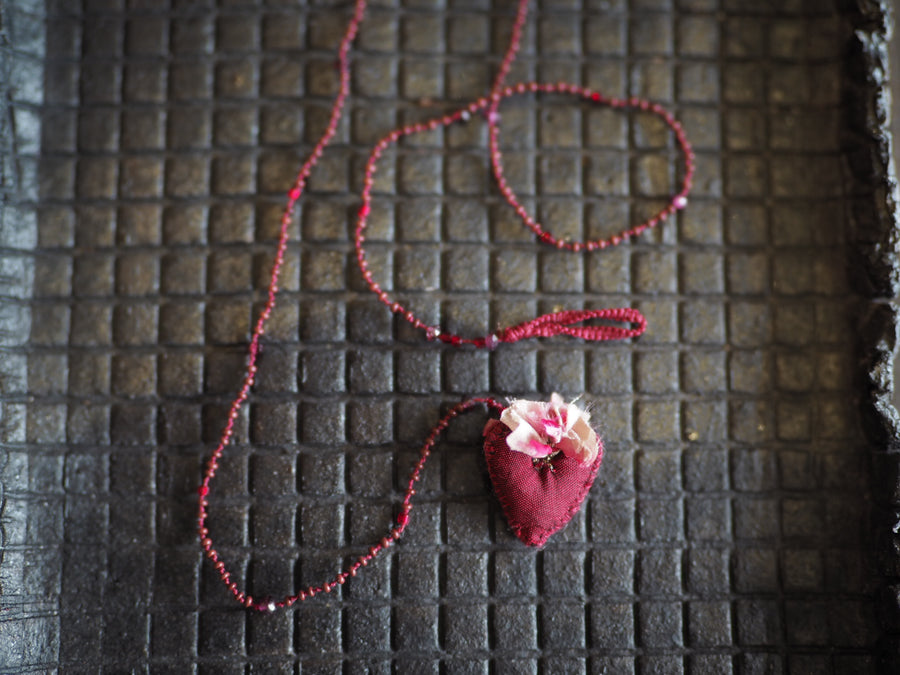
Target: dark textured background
(730,526)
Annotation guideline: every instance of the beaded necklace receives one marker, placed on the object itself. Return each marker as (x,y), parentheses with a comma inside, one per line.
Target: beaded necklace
(548,325)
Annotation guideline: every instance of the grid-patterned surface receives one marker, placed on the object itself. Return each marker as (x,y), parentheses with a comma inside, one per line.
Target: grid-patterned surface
(727,529)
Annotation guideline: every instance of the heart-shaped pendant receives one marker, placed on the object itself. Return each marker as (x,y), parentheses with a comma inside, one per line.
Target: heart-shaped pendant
(539,494)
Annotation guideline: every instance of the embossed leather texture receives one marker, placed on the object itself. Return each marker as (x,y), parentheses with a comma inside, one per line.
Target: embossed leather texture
(741,519)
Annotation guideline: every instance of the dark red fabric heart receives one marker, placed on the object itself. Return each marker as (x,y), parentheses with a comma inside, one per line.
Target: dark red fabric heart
(537,501)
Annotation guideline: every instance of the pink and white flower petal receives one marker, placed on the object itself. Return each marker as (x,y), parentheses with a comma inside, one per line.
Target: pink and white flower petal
(525,439)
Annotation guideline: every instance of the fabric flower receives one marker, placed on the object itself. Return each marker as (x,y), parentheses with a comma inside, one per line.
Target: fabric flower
(540,429)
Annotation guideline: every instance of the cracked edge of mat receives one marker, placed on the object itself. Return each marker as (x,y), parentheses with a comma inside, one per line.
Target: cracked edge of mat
(875,265)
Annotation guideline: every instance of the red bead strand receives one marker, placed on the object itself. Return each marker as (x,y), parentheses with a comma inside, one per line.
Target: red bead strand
(402,520)
(490,105)
(559,323)
(259,328)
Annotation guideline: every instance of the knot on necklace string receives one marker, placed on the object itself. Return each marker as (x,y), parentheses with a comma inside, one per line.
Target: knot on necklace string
(563,323)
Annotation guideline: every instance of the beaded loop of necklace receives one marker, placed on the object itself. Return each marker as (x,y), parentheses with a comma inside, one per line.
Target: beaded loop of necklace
(548,325)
